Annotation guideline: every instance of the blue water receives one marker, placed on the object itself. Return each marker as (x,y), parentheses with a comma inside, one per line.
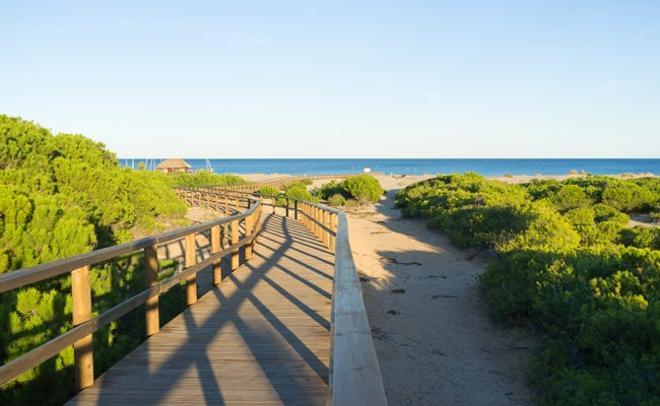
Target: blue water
(488,167)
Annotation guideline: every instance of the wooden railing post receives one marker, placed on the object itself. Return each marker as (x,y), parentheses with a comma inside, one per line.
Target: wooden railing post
(235,258)
(333,227)
(216,245)
(287,208)
(150,279)
(295,209)
(191,259)
(249,224)
(308,209)
(325,215)
(215,201)
(83,349)
(255,223)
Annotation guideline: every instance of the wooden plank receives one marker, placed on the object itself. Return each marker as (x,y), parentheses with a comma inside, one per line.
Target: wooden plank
(191,259)
(83,349)
(355,377)
(216,246)
(151,278)
(235,256)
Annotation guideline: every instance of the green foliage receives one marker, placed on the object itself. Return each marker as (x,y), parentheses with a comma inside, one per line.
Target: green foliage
(473,211)
(332,188)
(269,191)
(361,187)
(202,179)
(567,265)
(299,191)
(60,196)
(641,237)
(337,200)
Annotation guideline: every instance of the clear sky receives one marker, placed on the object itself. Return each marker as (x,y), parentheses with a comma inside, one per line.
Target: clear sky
(339,79)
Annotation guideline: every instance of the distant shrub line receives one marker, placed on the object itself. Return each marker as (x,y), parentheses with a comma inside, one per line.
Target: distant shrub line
(361,188)
(567,264)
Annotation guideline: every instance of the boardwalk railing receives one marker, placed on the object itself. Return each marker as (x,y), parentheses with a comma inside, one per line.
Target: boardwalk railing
(355,377)
(245,210)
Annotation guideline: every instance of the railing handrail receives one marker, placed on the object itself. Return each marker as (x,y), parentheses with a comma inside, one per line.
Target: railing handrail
(355,376)
(80,335)
(26,276)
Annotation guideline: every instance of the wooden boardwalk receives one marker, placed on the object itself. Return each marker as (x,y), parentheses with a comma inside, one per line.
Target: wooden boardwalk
(262,337)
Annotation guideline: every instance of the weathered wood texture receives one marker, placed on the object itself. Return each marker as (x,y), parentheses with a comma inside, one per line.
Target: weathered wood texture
(261,337)
(355,377)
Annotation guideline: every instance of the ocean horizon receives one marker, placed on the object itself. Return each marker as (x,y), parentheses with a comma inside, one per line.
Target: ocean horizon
(486,167)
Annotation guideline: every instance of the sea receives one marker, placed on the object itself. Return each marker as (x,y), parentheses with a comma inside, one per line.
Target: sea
(486,167)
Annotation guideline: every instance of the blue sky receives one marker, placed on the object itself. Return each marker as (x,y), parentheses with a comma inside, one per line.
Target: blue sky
(339,79)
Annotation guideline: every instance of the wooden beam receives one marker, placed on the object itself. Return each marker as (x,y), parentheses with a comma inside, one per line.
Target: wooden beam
(355,377)
(216,246)
(191,259)
(83,349)
(150,279)
(235,256)
(249,225)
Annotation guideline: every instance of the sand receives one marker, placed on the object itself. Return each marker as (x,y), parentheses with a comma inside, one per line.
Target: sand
(435,341)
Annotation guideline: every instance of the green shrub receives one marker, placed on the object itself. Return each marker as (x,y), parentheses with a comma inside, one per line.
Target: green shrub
(362,187)
(203,179)
(332,188)
(269,191)
(337,200)
(560,268)
(641,237)
(298,191)
(62,195)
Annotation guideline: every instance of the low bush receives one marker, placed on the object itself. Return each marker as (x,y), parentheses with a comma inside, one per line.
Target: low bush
(62,195)
(567,265)
(299,191)
(641,237)
(203,179)
(269,191)
(337,200)
(362,187)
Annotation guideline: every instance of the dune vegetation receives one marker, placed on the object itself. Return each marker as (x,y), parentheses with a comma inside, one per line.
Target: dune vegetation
(566,264)
(360,188)
(352,190)
(62,195)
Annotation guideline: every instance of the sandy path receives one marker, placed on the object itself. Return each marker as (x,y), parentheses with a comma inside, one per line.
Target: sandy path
(435,341)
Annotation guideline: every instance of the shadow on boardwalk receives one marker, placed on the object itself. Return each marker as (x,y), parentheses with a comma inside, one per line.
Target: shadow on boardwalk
(261,337)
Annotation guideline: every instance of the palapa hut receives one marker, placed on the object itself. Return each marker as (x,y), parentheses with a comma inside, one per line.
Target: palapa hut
(174,165)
